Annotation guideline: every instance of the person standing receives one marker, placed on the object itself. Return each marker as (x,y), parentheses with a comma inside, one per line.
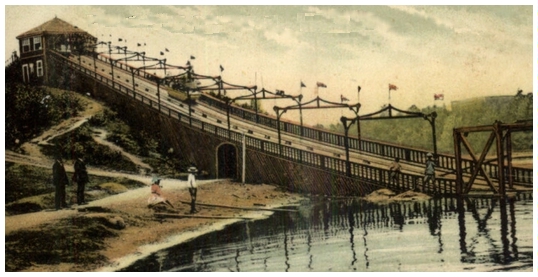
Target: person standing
(429,171)
(191,180)
(395,169)
(81,178)
(59,180)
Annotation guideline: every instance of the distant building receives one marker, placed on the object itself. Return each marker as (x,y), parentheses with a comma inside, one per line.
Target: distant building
(56,35)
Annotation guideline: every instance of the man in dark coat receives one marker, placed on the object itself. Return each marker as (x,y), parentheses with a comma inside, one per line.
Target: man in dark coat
(59,180)
(81,178)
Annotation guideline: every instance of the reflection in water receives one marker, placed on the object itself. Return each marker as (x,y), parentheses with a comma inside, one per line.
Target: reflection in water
(351,219)
(405,236)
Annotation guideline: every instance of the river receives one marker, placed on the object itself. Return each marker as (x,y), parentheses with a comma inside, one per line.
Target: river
(346,235)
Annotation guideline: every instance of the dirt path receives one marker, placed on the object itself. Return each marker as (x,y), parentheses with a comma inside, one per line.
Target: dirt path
(100,135)
(32,220)
(145,236)
(91,108)
(148,234)
(32,149)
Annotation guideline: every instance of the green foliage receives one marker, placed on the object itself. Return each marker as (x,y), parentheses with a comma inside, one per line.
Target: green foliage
(103,119)
(133,141)
(125,141)
(23,181)
(67,242)
(417,132)
(137,142)
(80,143)
(30,110)
(66,105)
(26,116)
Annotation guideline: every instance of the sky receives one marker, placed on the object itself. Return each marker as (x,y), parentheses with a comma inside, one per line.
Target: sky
(458,51)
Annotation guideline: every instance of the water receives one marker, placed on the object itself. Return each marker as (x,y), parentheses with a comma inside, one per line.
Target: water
(352,235)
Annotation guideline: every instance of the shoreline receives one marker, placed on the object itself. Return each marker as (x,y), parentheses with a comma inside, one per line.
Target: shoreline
(180,238)
(141,232)
(202,227)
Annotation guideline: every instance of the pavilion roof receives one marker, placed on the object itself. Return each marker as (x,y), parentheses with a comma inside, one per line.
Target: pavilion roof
(54,26)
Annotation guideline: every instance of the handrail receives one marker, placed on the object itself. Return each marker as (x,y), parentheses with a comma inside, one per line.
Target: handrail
(521,175)
(405,153)
(365,174)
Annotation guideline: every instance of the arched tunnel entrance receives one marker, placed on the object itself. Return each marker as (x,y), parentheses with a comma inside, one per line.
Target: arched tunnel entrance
(227,161)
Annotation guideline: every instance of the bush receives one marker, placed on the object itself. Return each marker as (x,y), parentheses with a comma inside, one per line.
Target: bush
(30,110)
(25,181)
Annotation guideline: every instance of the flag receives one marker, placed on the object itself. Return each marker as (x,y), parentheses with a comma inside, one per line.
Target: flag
(343,99)
(303,85)
(192,57)
(438,97)
(392,87)
(166,49)
(120,39)
(162,53)
(321,85)
(221,68)
(138,44)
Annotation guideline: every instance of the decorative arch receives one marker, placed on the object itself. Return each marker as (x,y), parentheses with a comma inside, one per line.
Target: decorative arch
(227,161)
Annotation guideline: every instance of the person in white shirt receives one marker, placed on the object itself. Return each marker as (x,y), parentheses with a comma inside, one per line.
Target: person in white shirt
(191,180)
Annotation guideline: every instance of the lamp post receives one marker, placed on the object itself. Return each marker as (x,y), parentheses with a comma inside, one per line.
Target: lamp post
(95,65)
(79,59)
(228,102)
(189,104)
(355,110)
(158,92)
(300,97)
(279,113)
(220,85)
(111,62)
(431,119)
(347,122)
(133,78)
(244,154)
(189,80)
(255,104)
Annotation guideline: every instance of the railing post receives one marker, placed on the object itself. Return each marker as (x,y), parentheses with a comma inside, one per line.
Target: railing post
(500,157)
(457,153)
(345,121)
(434,136)
(132,72)
(509,174)
(228,103)
(159,93)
